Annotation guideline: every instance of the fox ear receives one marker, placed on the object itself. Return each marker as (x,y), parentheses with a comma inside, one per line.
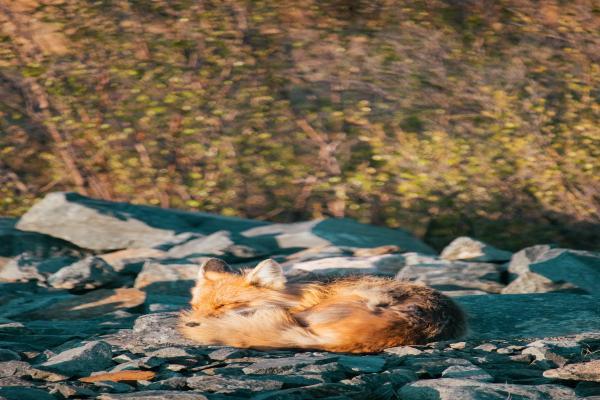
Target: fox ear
(212,265)
(267,273)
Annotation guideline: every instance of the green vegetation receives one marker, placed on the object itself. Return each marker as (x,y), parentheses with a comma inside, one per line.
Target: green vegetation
(442,117)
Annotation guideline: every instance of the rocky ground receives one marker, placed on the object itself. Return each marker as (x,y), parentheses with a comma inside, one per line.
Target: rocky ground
(90,291)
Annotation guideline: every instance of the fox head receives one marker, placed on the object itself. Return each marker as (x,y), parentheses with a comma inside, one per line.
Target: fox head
(220,290)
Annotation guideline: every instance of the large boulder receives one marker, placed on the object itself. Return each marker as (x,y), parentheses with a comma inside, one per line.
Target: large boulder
(82,360)
(104,225)
(539,315)
(167,278)
(546,269)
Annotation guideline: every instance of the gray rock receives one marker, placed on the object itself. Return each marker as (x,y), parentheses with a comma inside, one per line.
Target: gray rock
(433,366)
(103,225)
(465,389)
(82,360)
(451,275)
(285,364)
(225,353)
(467,372)
(155,395)
(403,351)
(218,384)
(26,267)
(70,390)
(545,269)
(586,371)
(341,232)
(89,273)
(159,329)
(113,387)
(539,315)
(167,279)
(469,249)
(387,264)
(362,364)
(333,391)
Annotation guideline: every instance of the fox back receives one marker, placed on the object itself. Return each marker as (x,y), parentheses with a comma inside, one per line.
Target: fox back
(257,308)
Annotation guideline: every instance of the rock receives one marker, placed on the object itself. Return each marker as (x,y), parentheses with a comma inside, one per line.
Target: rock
(467,372)
(223,244)
(466,389)
(225,353)
(588,389)
(403,351)
(387,264)
(586,371)
(172,279)
(544,269)
(103,225)
(82,360)
(154,395)
(433,366)
(451,275)
(540,315)
(120,376)
(95,304)
(160,329)
(331,391)
(131,260)
(218,384)
(67,390)
(468,249)
(24,393)
(30,302)
(486,347)
(89,273)
(362,364)
(337,232)
(113,387)
(26,267)
(285,364)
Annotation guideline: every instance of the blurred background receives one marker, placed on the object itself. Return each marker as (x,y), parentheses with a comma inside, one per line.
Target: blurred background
(443,117)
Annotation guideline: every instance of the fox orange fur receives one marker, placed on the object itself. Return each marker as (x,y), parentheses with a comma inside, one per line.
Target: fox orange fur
(257,309)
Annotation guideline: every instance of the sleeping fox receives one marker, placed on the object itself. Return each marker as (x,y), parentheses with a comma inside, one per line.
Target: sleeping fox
(257,309)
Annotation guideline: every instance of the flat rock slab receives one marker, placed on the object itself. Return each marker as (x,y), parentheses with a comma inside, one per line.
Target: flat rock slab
(104,225)
(218,384)
(587,371)
(387,264)
(451,275)
(466,389)
(537,315)
(338,232)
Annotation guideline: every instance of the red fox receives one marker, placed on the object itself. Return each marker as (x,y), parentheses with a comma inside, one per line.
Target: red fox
(257,309)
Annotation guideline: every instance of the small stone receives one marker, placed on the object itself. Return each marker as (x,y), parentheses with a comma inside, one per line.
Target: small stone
(486,347)
(225,353)
(217,384)
(467,372)
(458,345)
(586,371)
(82,360)
(113,387)
(468,249)
(505,350)
(403,351)
(362,364)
